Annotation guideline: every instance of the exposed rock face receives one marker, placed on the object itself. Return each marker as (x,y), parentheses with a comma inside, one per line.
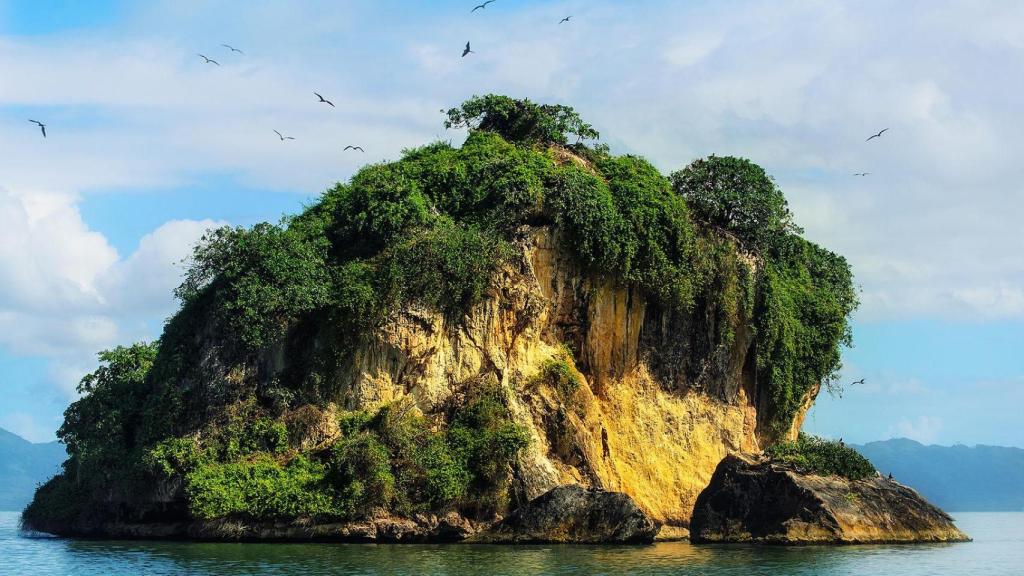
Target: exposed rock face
(577,515)
(650,378)
(753,500)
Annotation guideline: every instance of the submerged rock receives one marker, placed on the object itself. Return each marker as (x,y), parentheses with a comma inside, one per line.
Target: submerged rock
(752,499)
(573,514)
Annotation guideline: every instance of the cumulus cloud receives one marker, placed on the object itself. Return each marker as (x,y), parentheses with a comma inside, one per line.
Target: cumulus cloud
(65,293)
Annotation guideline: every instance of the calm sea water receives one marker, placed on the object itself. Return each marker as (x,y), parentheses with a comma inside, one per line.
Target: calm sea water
(998,550)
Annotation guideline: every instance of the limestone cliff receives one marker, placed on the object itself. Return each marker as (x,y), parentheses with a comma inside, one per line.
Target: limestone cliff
(660,405)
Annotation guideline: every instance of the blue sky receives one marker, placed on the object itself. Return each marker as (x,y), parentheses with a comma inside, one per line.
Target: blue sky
(148,147)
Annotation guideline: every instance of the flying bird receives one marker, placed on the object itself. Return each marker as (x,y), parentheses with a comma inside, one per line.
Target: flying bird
(861,173)
(360,148)
(324,100)
(879,135)
(283,137)
(41,126)
(232,48)
(467,50)
(566,19)
(861,381)
(484,5)
(209,60)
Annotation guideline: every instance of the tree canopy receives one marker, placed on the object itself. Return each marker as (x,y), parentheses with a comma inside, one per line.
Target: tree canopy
(737,196)
(520,121)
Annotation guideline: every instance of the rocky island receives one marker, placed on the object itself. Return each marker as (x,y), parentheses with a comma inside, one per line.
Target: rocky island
(436,348)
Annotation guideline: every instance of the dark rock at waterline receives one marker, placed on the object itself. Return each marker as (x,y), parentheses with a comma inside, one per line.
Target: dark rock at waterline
(422,528)
(573,514)
(751,499)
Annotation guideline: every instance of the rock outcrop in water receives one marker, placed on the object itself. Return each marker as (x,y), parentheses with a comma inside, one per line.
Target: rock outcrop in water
(751,499)
(461,331)
(572,514)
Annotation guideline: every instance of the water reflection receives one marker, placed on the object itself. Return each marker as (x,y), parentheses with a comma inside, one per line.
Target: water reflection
(999,549)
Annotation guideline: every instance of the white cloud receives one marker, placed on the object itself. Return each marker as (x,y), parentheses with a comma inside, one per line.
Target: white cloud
(143,282)
(688,50)
(65,293)
(924,429)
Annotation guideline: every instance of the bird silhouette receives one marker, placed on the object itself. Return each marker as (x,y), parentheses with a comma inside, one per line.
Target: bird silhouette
(324,100)
(861,173)
(41,126)
(484,5)
(879,135)
(861,381)
(360,148)
(467,50)
(209,60)
(566,19)
(282,136)
(232,48)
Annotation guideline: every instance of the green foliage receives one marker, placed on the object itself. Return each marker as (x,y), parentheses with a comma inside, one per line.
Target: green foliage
(805,297)
(816,455)
(737,196)
(482,436)
(102,428)
(397,460)
(624,220)
(244,432)
(260,488)
(175,456)
(258,279)
(520,121)
(447,267)
(361,469)
(559,374)
(59,500)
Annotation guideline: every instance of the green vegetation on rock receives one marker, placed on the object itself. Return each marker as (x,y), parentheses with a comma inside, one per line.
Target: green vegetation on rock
(271,314)
(816,455)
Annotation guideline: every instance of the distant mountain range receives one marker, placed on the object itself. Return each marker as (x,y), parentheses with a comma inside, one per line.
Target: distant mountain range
(955,478)
(23,465)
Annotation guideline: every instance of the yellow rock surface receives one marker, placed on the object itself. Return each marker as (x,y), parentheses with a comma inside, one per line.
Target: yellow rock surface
(626,429)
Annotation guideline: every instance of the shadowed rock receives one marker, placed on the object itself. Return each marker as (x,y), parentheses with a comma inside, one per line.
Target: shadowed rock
(751,499)
(573,514)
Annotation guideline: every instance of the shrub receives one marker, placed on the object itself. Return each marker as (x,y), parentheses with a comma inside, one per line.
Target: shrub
(103,428)
(804,300)
(259,489)
(258,279)
(557,373)
(175,456)
(447,267)
(361,469)
(815,455)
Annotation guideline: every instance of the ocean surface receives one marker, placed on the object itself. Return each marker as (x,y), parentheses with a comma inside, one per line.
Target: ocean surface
(998,549)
